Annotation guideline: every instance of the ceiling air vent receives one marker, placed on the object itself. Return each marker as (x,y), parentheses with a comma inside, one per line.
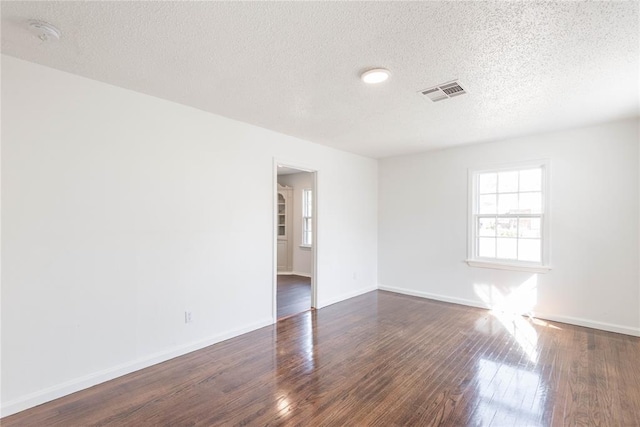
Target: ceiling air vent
(444,91)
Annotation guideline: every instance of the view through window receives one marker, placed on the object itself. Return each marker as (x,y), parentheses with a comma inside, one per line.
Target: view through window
(509,214)
(307,213)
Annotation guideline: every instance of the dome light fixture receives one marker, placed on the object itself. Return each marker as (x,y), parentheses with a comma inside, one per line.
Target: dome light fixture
(374,76)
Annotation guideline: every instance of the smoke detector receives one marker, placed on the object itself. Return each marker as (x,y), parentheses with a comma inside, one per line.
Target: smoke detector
(43,30)
(444,91)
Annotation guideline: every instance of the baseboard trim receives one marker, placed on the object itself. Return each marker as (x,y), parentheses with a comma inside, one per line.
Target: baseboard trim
(609,327)
(297,273)
(437,297)
(90,380)
(346,296)
(293,273)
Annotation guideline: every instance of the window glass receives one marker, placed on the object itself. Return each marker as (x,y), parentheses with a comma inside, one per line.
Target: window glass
(508,212)
(531,180)
(307,212)
(508,182)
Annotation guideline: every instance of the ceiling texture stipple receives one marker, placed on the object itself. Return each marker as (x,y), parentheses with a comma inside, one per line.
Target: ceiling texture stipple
(294,67)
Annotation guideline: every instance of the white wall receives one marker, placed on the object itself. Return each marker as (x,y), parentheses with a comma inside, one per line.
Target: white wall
(302,257)
(121,211)
(594,227)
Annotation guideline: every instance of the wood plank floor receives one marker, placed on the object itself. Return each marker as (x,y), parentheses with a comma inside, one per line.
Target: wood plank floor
(378,359)
(294,295)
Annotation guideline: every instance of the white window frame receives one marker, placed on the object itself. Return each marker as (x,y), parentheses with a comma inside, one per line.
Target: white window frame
(307,213)
(503,264)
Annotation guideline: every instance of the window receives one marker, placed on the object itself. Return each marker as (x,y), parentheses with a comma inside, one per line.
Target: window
(307,217)
(509,217)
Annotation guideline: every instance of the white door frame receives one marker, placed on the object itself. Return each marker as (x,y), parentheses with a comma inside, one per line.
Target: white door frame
(274,247)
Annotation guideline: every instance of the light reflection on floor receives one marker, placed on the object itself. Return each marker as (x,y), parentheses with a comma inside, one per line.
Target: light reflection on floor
(522,331)
(306,342)
(506,394)
(302,356)
(508,308)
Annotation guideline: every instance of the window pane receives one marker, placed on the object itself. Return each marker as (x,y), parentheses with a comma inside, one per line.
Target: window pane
(306,202)
(507,203)
(507,248)
(531,180)
(488,183)
(508,214)
(487,204)
(508,182)
(486,247)
(529,250)
(529,227)
(508,227)
(487,227)
(530,202)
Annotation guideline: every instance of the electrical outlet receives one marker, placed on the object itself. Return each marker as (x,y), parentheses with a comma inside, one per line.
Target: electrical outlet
(188,317)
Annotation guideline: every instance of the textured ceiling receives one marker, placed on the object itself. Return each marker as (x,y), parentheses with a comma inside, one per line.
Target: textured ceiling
(293,67)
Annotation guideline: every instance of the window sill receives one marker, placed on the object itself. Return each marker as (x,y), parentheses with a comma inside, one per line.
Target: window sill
(305,247)
(509,266)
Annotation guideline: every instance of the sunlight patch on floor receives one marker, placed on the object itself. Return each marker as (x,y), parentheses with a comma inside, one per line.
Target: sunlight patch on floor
(509,310)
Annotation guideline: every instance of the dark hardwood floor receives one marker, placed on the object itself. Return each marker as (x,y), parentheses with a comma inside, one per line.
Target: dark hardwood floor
(294,295)
(378,359)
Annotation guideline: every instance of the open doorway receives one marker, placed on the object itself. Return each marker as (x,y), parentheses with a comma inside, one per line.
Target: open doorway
(295,233)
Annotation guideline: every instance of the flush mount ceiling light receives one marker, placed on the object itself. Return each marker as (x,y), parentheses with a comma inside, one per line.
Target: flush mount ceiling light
(43,30)
(376,75)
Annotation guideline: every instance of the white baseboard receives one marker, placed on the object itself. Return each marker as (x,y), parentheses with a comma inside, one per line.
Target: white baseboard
(297,273)
(42,396)
(346,296)
(437,297)
(610,327)
(293,273)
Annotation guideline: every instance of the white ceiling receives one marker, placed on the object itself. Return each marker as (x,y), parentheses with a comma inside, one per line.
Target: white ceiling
(284,170)
(293,67)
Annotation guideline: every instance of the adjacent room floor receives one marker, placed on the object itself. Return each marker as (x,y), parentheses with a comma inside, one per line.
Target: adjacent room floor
(377,359)
(294,295)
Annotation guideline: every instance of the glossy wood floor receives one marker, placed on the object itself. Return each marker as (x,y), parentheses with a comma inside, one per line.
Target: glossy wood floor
(294,295)
(379,359)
